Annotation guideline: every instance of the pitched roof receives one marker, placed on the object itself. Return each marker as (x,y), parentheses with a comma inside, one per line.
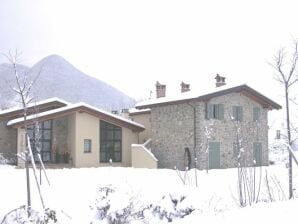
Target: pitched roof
(78,107)
(43,105)
(208,94)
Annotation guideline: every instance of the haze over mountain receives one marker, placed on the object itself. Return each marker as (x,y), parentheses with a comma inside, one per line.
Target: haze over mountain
(56,77)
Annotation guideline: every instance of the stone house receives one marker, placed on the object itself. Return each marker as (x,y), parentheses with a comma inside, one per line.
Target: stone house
(75,134)
(220,127)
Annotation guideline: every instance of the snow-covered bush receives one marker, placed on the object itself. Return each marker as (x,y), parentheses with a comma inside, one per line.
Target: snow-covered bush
(6,161)
(3,160)
(20,216)
(108,208)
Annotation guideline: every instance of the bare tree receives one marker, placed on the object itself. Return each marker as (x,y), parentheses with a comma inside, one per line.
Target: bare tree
(286,73)
(23,90)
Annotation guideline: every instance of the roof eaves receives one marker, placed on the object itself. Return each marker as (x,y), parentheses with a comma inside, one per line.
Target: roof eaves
(78,107)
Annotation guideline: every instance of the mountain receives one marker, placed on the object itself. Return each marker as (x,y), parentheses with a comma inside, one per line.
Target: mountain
(56,77)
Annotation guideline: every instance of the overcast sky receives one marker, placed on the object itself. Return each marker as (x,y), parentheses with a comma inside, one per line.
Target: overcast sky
(132,44)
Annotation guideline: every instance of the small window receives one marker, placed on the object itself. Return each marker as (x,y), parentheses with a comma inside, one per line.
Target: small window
(215,111)
(256,114)
(87,145)
(237,113)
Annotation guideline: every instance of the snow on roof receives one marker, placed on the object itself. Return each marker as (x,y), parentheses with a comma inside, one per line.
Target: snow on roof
(138,111)
(49,100)
(193,94)
(69,107)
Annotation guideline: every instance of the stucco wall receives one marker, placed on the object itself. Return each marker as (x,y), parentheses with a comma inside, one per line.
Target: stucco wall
(144,119)
(88,127)
(142,158)
(173,127)
(21,144)
(8,141)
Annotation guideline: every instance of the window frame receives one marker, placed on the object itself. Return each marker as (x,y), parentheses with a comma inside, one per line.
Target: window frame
(44,126)
(110,142)
(88,143)
(215,111)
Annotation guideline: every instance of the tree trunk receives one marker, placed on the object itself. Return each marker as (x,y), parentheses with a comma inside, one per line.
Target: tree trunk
(289,143)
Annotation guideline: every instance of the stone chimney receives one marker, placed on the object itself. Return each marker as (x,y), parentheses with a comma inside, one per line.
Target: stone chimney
(184,87)
(160,90)
(220,80)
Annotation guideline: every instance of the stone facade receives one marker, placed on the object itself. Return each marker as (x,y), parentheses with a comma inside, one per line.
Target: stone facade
(173,131)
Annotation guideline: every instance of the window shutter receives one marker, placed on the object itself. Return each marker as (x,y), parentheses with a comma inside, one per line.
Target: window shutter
(220,111)
(240,114)
(256,114)
(235,117)
(214,155)
(209,109)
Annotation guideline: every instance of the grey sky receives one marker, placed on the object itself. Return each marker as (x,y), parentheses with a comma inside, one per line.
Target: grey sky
(132,44)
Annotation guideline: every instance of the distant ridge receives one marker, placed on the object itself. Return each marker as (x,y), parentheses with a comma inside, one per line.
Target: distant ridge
(58,78)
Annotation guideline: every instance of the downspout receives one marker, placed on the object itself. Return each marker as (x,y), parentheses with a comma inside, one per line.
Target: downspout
(194,139)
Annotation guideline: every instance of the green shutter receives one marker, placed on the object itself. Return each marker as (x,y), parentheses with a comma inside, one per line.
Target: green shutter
(214,155)
(256,114)
(206,111)
(209,111)
(235,117)
(220,111)
(240,113)
(215,108)
(257,153)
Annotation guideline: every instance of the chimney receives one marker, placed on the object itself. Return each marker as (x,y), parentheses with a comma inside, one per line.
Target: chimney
(124,113)
(115,112)
(160,90)
(184,87)
(220,80)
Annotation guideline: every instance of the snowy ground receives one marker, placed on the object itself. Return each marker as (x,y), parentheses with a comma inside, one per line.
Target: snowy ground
(74,191)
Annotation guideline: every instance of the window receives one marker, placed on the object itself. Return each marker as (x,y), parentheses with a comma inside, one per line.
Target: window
(237,113)
(41,139)
(256,114)
(215,111)
(110,142)
(87,145)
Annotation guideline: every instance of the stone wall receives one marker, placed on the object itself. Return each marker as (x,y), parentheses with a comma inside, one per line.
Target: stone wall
(225,131)
(8,141)
(173,128)
(172,131)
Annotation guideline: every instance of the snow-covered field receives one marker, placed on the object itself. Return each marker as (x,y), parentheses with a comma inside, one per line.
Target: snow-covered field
(75,194)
